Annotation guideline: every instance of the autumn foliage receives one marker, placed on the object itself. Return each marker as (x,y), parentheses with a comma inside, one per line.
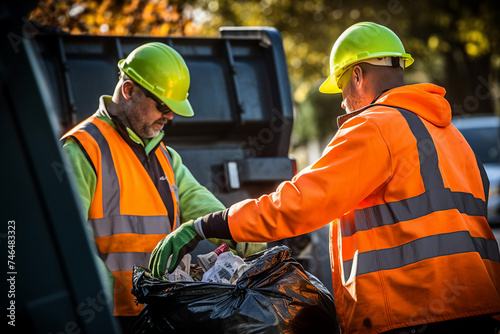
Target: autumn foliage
(107,17)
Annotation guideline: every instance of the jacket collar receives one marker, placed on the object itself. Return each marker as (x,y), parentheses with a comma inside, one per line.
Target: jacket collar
(343,118)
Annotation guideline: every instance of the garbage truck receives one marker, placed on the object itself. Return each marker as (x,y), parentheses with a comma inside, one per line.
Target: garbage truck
(236,145)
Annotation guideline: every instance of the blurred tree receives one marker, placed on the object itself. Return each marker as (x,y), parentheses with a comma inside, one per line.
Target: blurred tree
(459,48)
(108,17)
(317,118)
(455,43)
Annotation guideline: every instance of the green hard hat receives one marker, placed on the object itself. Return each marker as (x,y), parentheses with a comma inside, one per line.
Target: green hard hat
(161,70)
(358,43)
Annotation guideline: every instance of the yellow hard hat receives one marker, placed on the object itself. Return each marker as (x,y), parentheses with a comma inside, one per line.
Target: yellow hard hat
(161,70)
(363,42)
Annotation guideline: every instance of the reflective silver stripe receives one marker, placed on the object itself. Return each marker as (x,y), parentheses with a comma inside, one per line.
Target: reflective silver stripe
(110,184)
(167,154)
(484,178)
(178,215)
(125,261)
(130,224)
(174,188)
(176,192)
(418,250)
(427,154)
(428,158)
(435,198)
(411,208)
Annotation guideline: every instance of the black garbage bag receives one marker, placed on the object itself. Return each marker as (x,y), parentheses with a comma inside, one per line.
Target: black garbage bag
(275,295)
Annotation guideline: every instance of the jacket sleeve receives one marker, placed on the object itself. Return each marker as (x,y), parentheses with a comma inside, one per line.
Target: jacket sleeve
(83,173)
(194,199)
(355,164)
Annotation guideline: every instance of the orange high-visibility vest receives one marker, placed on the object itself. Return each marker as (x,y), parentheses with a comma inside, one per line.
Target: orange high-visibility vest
(410,242)
(127,214)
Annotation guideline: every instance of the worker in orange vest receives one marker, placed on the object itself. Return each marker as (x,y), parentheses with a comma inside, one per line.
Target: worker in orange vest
(411,249)
(133,188)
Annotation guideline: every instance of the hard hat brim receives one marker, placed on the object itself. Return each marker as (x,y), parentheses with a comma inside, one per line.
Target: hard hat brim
(329,86)
(182,108)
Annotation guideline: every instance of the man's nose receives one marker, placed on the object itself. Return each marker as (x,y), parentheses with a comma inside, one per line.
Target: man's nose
(169,115)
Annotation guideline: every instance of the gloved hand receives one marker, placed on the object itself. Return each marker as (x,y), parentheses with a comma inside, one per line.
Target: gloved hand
(178,243)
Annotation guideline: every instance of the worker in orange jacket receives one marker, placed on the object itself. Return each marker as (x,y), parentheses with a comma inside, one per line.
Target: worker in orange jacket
(411,249)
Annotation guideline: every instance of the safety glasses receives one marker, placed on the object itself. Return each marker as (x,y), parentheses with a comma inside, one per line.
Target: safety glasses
(344,78)
(162,107)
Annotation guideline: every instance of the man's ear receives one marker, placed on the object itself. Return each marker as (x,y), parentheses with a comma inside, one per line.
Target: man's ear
(127,89)
(357,75)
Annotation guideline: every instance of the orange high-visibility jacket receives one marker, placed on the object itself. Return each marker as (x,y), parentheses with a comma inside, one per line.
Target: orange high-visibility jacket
(127,214)
(410,243)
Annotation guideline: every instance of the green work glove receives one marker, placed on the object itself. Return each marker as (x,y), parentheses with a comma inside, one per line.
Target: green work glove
(178,243)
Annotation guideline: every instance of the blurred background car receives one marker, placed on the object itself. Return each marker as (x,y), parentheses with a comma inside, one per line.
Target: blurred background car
(483,135)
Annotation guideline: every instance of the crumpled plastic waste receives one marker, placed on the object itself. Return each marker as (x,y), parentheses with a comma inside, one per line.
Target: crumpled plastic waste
(182,272)
(224,268)
(218,266)
(207,261)
(239,272)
